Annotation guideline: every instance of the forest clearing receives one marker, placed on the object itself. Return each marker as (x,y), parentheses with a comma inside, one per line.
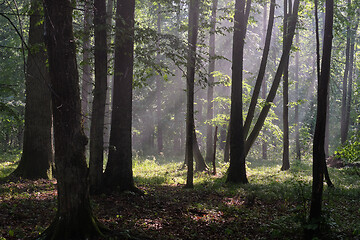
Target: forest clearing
(273,206)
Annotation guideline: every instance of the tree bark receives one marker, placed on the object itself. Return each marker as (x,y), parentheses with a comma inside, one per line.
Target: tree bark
(237,169)
(38,152)
(297,122)
(74,219)
(319,136)
(98,112)
(118,173)
(86,73)
(210,90)
(285,161)
(159,88)
(190,75)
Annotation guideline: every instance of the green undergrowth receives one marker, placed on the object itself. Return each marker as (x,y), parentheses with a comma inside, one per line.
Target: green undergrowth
(8,162)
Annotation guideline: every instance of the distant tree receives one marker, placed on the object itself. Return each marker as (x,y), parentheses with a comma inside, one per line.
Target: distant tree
(86,86)
(118,173)
(210,90)
(74,218)
(99,101)
(190,76)
(37,153)
(237,171)
(297,122)
(319,135)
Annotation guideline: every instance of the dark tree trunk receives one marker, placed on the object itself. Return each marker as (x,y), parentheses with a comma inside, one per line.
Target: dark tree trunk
(297,122)
(190,75)
(319,136)
(86,73)
(285,161)
(118,172)
(272,93)
(210,90)
(237,170)
(264,145)
(98,112)
(37,153)
(74,219)
(262,69)
(199,159)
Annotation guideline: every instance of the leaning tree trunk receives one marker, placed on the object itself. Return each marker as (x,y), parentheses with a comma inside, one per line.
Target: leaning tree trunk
(98,112)
(118,172)
(210,90)
(74,218)
(37,153)
(319,135)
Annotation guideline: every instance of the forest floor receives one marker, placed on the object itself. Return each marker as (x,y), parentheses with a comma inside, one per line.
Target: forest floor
(274,205)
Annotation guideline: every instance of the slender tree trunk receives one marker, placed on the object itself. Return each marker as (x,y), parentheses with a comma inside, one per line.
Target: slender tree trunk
(192,40)
(272,93)
(107,121)
(37,143)
(344,126)
(86,74)
(237,169)
(210,90)
(99,102)
(118,174)
(74,218)
(285,160)
(159,88)
(263,86)
(199,159)
(319,136)
(297,122)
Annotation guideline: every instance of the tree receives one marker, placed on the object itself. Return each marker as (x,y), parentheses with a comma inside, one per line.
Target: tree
(297,122)
(210,90)
(118,173)
(74,218)
(99,101)
(237,171)
(285,160)
(86,73)
(37,153)
(319,135)
(190,76)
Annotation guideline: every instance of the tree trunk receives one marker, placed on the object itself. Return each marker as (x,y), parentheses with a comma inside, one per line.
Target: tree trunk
(297,122)
(272,93)
(37,153)
(74,219)
(159,88)
(210,90)
(118,172)
(285,161)
(86,74)
(98,112)
(319,136)
(237,169)
(190,75)
(199,159)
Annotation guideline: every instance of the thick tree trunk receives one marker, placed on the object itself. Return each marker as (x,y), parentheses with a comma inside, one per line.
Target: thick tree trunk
(86,73)
(74,219)
(118,172)
(319,136)
(98,112)
(210,90)
(237,169)
(190,75)
(38,152)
